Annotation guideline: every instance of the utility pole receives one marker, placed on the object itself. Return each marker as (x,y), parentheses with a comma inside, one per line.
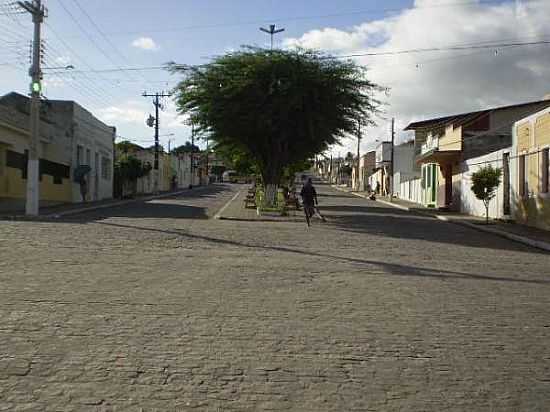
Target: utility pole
(32,203)
(207,173)
(392,156)
(154,122)
(358,156)
(331,168)
(272,32)
(192,155)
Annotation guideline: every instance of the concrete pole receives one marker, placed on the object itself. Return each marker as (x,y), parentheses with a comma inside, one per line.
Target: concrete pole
(33,163)
(392,157)
(156,165)
(357,171)
(192,155)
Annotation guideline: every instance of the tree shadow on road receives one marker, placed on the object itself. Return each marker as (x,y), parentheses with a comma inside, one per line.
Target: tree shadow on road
(169,207)
(392,269)
(371,219)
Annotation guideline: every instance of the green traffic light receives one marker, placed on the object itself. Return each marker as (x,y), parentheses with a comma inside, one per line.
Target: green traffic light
(36,87)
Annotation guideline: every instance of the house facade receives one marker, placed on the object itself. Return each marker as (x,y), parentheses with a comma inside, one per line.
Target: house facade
(406,176)
(70,137)
(367,164)
(530,170)
(379,180)
(450,149)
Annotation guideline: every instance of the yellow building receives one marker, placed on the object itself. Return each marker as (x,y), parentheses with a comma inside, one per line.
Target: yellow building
(531,170)
(69,136)
(450,148)
(55,182)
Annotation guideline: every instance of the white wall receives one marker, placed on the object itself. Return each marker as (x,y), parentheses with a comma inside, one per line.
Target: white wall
(410,188)
(468,202)
(95,136)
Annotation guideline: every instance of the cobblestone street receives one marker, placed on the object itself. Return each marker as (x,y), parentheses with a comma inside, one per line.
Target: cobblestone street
(158,307)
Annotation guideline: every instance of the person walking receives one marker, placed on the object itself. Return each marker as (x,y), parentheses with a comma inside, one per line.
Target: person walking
(83,188)
(309,200)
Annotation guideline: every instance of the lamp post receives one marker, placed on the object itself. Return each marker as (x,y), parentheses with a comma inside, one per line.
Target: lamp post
(272,31)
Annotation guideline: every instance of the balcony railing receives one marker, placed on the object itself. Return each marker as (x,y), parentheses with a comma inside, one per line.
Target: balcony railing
(432,143)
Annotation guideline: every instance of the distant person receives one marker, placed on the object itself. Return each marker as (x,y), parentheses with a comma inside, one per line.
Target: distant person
(83,188)
(377,190)
(309,200)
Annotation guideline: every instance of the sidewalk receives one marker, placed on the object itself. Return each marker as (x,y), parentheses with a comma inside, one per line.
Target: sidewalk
(235,210)
(519,233)
(53,212)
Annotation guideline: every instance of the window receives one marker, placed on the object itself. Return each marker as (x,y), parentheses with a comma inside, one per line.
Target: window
(79,155)
(88,157)
(545,183)
(105,168)
(523,175)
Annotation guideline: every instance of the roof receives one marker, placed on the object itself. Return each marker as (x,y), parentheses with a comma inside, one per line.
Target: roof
(460,118)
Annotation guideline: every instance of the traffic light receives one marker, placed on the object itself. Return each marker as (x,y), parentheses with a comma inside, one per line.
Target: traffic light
(36,87)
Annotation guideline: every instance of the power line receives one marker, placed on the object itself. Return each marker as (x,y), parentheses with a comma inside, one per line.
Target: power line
(88,36)
(310,17)
(438,49)
(107,39)
(385,53)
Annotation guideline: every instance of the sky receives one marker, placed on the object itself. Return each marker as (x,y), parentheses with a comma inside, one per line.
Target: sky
(101,39)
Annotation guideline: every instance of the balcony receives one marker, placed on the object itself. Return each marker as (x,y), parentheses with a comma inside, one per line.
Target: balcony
(432,143)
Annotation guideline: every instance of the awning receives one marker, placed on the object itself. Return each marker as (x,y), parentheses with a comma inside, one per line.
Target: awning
(440,156)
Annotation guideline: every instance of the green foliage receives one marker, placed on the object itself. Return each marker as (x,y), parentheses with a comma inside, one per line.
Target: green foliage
(186,148)
(484,185)
(127,147)
(218,170)
(290,171)
(278,107)
(346,170)
(129,169)
(237,159)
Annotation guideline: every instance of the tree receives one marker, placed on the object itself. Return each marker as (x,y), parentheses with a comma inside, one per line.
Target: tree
(126,146)
(127,171)
(186,148)
(280,107)
(484,185)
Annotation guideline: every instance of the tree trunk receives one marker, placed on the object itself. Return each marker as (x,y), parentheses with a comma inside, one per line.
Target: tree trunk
(486,213)
(270,194)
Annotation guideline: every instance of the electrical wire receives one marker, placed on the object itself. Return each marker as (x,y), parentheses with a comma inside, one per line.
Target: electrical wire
(310,17)
(107,39)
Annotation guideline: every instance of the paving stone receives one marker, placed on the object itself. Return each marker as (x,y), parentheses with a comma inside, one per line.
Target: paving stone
(154,306)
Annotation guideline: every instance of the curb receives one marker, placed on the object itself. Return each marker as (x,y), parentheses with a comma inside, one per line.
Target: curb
(96,207)
(116,204)
(261,220)
(218,215)
(510,236)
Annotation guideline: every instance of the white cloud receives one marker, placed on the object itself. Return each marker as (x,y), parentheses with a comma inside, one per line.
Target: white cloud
(127,113)
(425,85)
(145,43)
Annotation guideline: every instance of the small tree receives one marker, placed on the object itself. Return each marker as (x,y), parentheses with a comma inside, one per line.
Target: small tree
(484,185)
(127,171)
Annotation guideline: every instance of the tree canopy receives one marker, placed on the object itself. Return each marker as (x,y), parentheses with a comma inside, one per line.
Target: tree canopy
(484,185)
(278,107)
(186,148)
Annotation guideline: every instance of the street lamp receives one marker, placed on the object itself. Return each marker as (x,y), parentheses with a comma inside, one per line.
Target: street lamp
(68,67)
(272,31)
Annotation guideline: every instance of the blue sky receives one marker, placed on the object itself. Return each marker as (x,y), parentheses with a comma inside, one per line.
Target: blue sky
(140,33)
